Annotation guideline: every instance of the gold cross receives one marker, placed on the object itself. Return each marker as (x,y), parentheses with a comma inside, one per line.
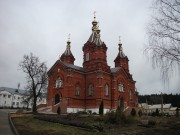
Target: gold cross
(69,37)
(94,14)
(119,39)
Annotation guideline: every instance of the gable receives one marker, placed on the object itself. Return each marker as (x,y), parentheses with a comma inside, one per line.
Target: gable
(5,92)
(12,90)
(117,70)
(66,65)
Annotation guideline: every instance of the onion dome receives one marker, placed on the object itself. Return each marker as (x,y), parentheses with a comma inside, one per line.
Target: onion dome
(68,46)
(95,36)
(121,53)
(67,56)
(97,39)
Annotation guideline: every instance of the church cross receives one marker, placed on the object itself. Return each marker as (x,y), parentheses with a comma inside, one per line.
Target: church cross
(94,14)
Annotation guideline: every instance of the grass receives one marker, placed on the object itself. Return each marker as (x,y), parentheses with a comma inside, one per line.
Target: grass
(31,126)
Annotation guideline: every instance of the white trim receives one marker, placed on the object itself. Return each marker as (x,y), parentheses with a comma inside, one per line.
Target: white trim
(74,110)
(93,110)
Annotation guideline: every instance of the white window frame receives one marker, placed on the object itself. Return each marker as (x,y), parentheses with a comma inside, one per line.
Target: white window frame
(120,87)
(58,70)
(59,83)
(130,95)
(77,90)
(87,56)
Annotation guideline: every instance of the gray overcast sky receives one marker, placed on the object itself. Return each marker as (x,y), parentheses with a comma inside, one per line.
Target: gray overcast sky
(42,27)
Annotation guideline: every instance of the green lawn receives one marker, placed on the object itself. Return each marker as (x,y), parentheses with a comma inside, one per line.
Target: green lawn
(32,126)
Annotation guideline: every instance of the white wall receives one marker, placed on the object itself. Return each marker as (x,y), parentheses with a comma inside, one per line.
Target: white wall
(96,110)
(5,99)
(16,100)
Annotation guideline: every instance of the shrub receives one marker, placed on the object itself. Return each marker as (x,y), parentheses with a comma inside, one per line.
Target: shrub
(99,118)
(59,110)
(72,116)
(151,122)
(19,111)
(82,112)
(153,114)
(110,117)
(140,112)
(157,112)
(117,117)
(177,112)
(98,126)
(119,114)
(101,108)
(133,112)
(89,112)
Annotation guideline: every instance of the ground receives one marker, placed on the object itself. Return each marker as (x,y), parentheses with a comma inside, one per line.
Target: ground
(164,126)
(5,128)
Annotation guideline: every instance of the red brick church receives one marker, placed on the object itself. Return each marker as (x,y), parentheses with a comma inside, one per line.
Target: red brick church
(75,88)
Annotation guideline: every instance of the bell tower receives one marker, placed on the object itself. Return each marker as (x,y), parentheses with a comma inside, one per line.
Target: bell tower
(121,60)
(95,50)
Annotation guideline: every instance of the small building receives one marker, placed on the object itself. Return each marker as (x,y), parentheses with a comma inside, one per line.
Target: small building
(143,107)
(14,98)
(173,110)
(166,108)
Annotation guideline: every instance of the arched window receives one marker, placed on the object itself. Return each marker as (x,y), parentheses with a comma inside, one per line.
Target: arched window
(106,90)
(90,90)
(120,87)
(59,82)
(87,56)
(130,94)
(77,90)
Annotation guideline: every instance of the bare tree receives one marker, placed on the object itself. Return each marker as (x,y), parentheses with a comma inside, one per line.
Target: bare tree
(36,77)
(164,37)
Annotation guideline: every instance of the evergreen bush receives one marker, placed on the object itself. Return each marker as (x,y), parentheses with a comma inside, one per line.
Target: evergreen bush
(59,110)
(101,108)
(140,112)
(133,112)
(157,112)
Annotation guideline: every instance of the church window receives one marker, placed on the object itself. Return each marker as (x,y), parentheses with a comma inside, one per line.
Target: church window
(90,90)
(77,90)
(87,56)
(58,83)
(106,90)
(120,87)
(130,94)
(58,69)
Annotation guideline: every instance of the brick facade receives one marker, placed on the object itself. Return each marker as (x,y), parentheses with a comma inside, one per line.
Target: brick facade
(84,88)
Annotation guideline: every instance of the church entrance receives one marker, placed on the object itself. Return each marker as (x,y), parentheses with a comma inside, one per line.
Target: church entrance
(57,99)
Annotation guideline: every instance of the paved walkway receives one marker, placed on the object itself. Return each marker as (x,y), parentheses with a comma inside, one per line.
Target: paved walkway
(5,128)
